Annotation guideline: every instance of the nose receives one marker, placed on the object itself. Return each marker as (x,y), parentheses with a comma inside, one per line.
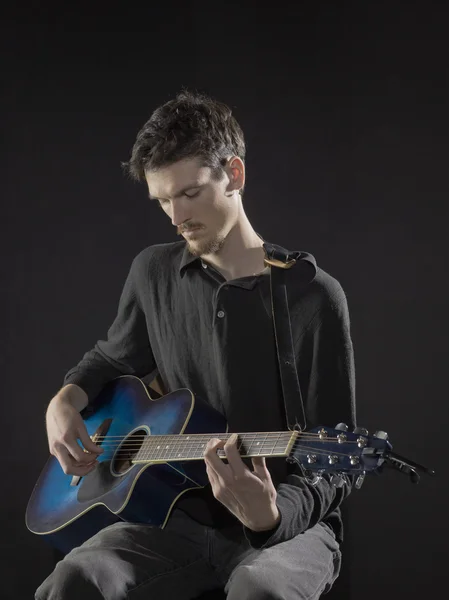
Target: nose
(180,213)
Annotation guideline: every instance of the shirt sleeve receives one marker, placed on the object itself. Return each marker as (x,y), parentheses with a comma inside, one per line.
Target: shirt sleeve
(327,373)
(126,351)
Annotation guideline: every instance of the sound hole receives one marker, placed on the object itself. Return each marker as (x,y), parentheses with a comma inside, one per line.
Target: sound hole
(126,452)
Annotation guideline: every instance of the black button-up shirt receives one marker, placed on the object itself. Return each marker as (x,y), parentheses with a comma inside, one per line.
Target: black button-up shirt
(179,317)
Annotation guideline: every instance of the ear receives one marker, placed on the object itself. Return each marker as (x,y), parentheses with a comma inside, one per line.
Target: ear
(236,173)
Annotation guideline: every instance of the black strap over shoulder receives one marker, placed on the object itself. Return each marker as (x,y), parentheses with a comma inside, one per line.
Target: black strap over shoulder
(280,261)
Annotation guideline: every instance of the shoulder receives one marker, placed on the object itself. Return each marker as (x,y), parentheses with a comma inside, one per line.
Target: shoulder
(158,256)
(314,283)
(326,290)
(320,297)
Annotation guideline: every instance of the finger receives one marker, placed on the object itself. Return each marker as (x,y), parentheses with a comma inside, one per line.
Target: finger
(68,464)
(93,462)
(88,444)
(260,466)
(75,450)
(214,462)
(212,477)
(235,461)
(217,483)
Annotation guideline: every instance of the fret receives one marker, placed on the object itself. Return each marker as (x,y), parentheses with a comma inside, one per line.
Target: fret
(176,447)
(147,448)
(187,441)
(279,435)
(202,447)
(168,448)
(248,450)
(140,453)
(159,447)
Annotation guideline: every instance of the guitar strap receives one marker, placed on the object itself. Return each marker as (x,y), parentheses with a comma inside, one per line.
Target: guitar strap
(281,261)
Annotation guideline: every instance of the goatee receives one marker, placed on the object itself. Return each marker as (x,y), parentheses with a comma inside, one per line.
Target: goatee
(205,247)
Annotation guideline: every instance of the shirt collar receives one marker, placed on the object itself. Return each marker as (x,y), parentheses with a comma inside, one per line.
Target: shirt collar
(188,260)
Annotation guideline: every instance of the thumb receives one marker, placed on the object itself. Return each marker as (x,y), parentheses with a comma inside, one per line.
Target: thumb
(260,467)
(87,442)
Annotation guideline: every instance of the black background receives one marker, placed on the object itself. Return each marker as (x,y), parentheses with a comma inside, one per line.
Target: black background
(344,108)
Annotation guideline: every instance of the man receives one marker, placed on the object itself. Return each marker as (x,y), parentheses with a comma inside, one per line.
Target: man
(198,313)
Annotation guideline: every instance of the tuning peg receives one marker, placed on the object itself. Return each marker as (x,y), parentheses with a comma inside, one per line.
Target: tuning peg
(318,477)
(341,427)
(382,435)
(338,480)
(361,431)
(414,477)
(360,479)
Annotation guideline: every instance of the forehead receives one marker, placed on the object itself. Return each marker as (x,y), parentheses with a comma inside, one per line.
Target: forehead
(169,180)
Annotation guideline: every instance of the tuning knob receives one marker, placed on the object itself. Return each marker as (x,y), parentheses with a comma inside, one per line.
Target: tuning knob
(359,481)
(361,431)
(337,480)
(318,477)
(341,427)
(382,435)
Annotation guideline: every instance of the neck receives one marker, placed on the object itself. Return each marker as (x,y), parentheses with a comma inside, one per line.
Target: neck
(242,253)
(165,448)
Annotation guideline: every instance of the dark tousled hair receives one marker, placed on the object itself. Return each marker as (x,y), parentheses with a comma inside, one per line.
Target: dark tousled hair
(192,125)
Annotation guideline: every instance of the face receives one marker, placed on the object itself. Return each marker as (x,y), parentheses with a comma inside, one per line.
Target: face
(203,210)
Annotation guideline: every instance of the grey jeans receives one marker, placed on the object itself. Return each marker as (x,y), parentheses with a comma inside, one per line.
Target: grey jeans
(141,562)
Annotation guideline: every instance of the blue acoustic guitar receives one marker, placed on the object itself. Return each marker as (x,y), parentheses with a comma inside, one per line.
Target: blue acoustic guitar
(153,453)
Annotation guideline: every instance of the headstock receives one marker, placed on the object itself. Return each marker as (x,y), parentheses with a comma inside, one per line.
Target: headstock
(340,452)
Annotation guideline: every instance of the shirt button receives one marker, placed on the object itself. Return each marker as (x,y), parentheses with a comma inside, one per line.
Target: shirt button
(204,265)
(220,314)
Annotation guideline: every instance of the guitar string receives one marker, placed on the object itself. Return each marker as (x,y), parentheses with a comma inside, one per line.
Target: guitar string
(116,438)
(314,450)
(196,445)
(178,440)
(192,444)
(197,435)
(125,449)
(183,439)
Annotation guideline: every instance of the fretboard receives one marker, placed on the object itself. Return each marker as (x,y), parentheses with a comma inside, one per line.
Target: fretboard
(166,448)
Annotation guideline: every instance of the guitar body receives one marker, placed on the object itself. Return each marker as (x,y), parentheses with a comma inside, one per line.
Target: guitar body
(119,490)
(153,453)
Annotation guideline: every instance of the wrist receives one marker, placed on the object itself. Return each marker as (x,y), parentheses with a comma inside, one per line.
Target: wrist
(73,395)
(272,523)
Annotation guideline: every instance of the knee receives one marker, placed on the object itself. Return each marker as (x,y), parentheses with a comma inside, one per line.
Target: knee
(67,581)
(249,582)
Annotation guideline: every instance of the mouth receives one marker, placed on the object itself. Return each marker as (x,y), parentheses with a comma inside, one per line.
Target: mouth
(191,231)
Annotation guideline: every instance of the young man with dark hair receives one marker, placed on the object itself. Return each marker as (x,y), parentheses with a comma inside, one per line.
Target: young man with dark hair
(197,312)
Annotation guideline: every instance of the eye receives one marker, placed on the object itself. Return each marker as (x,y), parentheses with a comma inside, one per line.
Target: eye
(192,195)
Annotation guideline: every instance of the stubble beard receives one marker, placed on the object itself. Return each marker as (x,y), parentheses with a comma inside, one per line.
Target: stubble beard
(205,247)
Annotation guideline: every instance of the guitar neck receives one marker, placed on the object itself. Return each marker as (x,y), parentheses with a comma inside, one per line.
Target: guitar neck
(165,448)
